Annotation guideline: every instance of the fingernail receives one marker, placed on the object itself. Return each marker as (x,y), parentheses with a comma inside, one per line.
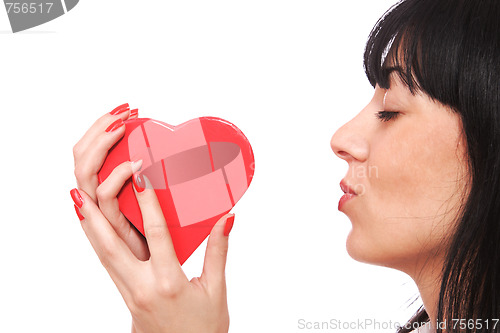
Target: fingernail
(139,183)
(120,109)
(77,198)
(77,210)
(136,166)
(115,125)
(133,114)
(229,225)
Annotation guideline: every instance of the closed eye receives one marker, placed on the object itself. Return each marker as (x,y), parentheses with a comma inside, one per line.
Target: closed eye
(386,115)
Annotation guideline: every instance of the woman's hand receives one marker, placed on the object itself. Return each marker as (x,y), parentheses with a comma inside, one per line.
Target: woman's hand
(90,153)
(156,291)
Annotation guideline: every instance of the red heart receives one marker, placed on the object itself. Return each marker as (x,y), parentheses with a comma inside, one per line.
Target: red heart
(199,170)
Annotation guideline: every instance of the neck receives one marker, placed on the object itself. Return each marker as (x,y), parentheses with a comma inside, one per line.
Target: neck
(429,293)
(427,277)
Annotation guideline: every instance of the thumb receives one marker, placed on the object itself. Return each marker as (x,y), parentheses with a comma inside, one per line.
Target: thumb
(216,253)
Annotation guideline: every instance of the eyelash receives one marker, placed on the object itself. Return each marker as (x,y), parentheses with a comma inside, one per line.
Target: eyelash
(387,115)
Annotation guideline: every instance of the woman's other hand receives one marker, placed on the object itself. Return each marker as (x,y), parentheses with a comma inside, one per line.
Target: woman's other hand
(157,292)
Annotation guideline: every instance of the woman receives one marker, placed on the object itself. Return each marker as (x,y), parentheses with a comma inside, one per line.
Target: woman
(428,203)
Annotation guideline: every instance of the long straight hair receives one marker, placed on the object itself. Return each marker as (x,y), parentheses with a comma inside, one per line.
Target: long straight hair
(450,51)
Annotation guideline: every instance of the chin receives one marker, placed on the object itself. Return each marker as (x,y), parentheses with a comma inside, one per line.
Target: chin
(355,248)
(365,251)
(371,251)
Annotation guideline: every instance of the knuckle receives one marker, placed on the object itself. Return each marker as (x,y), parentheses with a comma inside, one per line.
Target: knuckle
(79,174)
(76,151)
(157,231)
(167,289)
(105,260)
(108,253)
(102,193)
(82,171)
(141,300)
(222,250)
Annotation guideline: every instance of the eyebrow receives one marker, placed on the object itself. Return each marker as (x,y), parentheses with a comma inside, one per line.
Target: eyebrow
(389,70)
(396,73)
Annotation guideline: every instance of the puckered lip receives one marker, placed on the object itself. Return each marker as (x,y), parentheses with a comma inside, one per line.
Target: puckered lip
(346,188)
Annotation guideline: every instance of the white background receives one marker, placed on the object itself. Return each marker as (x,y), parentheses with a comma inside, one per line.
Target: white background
(288,73)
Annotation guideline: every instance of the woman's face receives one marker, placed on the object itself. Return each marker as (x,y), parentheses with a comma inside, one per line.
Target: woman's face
(408,174)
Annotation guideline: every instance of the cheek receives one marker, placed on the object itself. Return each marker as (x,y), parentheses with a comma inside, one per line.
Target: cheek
(419,170)
(411,199)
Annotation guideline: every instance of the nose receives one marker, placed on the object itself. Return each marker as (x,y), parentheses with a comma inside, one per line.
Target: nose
(350,142)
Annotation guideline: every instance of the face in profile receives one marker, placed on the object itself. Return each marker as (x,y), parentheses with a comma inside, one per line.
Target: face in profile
(408,173)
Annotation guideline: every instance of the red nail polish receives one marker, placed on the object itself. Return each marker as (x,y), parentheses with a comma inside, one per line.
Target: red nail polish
(77,197)
(139,184)
(115,125)
(133,113)
(77,210)
(229,225)
(120,109)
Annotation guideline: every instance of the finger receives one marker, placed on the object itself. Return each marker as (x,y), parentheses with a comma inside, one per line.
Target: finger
(91,151)
(114,255)
(107,194)
(160,244)
(108,190)
(216,254)
(90,162)
(101,124)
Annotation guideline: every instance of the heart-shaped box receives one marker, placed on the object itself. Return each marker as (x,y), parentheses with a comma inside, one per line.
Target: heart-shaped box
(198,169)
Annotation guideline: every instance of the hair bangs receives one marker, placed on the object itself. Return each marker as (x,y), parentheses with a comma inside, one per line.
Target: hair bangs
(419,46)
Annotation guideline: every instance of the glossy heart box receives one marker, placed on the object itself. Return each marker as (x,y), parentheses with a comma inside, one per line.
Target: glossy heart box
(198,169)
